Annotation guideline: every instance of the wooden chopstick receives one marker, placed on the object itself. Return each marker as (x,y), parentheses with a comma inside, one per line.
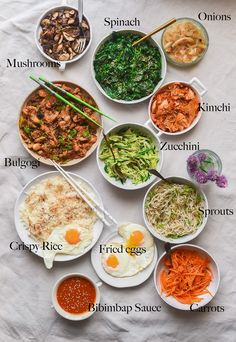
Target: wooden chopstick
(159,28)
(85,196)
(64,100)
(41,78)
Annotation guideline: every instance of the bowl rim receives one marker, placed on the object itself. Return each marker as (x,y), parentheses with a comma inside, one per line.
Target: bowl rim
(37,29)
(160,154)
(186,238)
(201,250)
(189,83)
(68,315)
(163,68)
(181,64)
(47,161)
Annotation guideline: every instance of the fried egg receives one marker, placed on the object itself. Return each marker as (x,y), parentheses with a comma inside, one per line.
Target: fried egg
(135,235)
(71,240)
(115,264)
(128,263)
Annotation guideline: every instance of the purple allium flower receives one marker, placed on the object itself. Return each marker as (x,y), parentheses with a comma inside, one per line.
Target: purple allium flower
(202,156)
(212,175)
(192,160)
(221,181)
(201,177)
(192,163)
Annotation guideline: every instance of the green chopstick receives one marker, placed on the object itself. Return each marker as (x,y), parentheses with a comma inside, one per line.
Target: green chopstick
(42,78)
(64,100)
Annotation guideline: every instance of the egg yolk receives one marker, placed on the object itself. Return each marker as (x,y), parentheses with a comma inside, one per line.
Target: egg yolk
(112,261)
(135,238)
(72,236)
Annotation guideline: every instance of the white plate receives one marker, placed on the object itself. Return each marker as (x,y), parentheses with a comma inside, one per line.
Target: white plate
(22,229)
(213,287)
(135,280)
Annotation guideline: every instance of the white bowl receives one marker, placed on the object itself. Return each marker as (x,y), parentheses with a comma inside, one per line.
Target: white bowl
(128,185)
(163,68)
(38,31)
(213,287)
(65,314)
(198,88)
(186,238)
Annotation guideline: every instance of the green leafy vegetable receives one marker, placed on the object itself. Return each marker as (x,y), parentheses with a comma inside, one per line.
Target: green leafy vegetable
(126,72)
(27,130)
(86,133)
(72,133)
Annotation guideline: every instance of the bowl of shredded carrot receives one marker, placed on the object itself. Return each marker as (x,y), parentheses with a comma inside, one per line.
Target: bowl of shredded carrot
(190,280)
(175,108)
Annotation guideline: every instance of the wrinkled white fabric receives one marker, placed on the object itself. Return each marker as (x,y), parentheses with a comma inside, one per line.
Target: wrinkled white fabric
(25,290)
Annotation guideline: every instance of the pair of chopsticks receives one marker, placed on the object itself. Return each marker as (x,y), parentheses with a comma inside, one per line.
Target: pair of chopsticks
(44,83)
(159,28)
(92,203)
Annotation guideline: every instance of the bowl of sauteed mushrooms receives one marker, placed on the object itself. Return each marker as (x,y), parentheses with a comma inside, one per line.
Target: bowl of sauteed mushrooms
(51,130)
(59,36)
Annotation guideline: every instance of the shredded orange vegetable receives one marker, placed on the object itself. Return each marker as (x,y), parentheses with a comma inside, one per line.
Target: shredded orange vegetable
(187,278)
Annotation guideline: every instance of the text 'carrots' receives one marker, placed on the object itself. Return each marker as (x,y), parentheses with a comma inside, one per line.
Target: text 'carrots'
(187,278)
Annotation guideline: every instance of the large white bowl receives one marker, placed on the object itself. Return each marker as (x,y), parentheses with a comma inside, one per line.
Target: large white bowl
(38,31)
(128,185)
(47,161)
(68,315)
(213,287)
(198,88)
(186,238)
(163,68)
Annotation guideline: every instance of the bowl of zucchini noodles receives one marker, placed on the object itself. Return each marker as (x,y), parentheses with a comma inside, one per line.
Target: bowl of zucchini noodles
(174,211)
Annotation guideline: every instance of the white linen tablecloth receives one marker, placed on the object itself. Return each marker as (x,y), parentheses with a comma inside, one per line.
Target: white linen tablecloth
(25,289)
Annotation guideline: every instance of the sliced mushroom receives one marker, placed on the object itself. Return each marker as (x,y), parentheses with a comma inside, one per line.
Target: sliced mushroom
(68,37)
(59,48)
(64,57)
(57,37)
(71,21)
(55,15)
(45,22)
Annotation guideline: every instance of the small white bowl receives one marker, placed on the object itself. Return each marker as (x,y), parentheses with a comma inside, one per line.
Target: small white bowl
(186,238)
(163,68)
(198,88)
(128,185)
(38,31)
(213,287)
(65,314)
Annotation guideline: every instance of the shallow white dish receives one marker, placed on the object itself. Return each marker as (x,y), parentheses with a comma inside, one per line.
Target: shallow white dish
(38,30)
(71,162)
(163,69)
(128,185)
(137,279)
(199,90)
(213,287)
(186,238)
(22,229)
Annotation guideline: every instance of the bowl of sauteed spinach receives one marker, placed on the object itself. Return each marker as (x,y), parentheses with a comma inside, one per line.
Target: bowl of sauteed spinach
(127,74)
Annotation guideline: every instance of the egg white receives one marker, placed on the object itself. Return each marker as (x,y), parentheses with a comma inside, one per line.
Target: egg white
(58,237)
